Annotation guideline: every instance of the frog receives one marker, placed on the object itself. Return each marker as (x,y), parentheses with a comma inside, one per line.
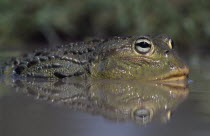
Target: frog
(140,57)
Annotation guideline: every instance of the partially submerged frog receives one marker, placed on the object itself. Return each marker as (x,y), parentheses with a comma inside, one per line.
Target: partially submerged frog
(136,57)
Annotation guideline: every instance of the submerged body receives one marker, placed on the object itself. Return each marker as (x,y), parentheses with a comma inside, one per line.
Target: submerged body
(135,57)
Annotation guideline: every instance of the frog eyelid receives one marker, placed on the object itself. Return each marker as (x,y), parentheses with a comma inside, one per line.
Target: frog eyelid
(143,40)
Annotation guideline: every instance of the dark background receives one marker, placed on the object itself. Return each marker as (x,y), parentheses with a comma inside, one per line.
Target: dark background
(29,24)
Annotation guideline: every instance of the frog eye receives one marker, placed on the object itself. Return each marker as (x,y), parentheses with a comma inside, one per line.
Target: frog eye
(143,46)
(171,44)
(142,115)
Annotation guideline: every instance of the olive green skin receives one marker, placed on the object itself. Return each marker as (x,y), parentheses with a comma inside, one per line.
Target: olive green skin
(114,58)
(123,62)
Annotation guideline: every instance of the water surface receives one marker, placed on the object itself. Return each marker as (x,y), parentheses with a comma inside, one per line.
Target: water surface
(23,114)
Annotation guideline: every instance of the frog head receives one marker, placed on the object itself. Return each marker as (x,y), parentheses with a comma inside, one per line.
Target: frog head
(141,58)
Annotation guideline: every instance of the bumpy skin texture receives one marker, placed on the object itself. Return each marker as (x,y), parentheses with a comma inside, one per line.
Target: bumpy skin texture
(114,58)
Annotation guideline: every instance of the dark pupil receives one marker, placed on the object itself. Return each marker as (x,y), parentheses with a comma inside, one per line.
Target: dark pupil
(143,45)
(141,114)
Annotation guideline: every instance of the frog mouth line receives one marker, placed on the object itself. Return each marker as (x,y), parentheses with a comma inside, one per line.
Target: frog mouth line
(180,74)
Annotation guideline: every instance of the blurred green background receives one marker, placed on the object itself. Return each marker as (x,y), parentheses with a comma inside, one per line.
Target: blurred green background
(26,24)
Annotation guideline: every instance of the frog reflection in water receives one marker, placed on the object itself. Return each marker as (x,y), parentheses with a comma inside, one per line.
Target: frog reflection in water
(116,100)
(136,57)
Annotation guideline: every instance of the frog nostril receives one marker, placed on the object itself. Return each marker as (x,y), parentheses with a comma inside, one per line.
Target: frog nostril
(166,53)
